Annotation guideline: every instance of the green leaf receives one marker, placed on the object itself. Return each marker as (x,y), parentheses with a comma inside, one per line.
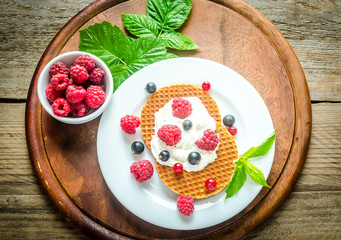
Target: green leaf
(262,149)
(169,14)
(255,174)
(178,41)
(105,41)
(140,25)
(140,53)
(237,180)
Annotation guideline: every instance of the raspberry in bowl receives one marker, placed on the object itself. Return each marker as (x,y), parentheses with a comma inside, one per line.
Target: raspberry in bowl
(75,87)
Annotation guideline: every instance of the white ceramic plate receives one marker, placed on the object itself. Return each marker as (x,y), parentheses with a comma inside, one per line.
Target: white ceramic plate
(152,200)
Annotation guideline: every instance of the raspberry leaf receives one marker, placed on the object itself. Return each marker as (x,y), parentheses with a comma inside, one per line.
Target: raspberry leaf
(105,41)
(178,41)
(237,180)
(140,25)
(169,15)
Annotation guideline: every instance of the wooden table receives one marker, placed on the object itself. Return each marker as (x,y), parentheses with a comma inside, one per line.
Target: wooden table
(313,28)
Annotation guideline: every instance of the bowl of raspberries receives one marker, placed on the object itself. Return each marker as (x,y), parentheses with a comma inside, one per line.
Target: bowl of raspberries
(75,87)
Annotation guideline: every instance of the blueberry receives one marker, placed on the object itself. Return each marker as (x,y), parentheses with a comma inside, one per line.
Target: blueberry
(194,158)
(151,87)
(137,147)
(164,155)
(187,125)
(228,120)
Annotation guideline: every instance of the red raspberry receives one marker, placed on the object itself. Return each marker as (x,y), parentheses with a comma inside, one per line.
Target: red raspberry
(60,81)
(181,108)
(52,94)
(142,170)
(78,73)
(129,123)
(185,205)
(60,107)
(85,61)
(75,94)
(58,67)
(169,134)
(96,76)
(94,97)
(79,109)
(209,141)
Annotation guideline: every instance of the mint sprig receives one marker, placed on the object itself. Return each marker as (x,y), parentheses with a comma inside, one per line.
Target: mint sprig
(155,31)
(244,166)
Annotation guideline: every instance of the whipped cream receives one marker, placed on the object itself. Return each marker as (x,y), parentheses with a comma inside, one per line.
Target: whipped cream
(201,121)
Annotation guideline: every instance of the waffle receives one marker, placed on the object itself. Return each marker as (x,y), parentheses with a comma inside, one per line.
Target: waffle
(192,183)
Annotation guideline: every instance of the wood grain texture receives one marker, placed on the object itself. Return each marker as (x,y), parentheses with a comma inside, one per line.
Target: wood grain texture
(313,210)
(311,27)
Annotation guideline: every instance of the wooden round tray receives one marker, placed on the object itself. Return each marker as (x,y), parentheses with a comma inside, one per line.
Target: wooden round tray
(229,32)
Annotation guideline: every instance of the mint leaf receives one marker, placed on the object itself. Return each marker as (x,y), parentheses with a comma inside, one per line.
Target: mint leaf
(140,25)
(262,149)
(237,180)
(105,41)
(169,15)
(178,41)
(255,174)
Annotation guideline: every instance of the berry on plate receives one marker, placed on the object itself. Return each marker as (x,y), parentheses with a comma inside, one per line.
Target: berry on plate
(206,86)
(169,134)
(151,87)
(210,184)
(178,168)
(232,130)
(209,141)
(129,123)
(142,170)
(185,205)
(228,120)
(137,147)
(181,108)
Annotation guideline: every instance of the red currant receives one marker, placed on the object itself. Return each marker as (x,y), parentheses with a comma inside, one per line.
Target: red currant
(210,184)
(206,86)
(178,168)
(232,130)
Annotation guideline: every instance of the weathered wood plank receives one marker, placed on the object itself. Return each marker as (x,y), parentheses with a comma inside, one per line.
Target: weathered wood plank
(23,204)
(312,28)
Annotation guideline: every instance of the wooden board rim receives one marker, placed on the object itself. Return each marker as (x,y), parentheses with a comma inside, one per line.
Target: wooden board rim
(290,172)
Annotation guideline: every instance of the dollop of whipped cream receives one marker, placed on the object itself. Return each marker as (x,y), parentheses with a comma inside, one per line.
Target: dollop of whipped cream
(201,121)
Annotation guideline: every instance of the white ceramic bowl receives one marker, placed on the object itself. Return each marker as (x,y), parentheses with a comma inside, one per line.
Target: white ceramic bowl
(68,59)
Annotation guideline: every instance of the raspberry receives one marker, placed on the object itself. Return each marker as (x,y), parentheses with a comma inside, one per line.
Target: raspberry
(142,170)
(78,73)
(129,123)
(52,94)
(60,81)
(58,67)
(75,94)
(94,97)
(169,134)
(209,141)
(96,76)
(85,61)
(185,205)
(60,107)
(181,108)
(79,109)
